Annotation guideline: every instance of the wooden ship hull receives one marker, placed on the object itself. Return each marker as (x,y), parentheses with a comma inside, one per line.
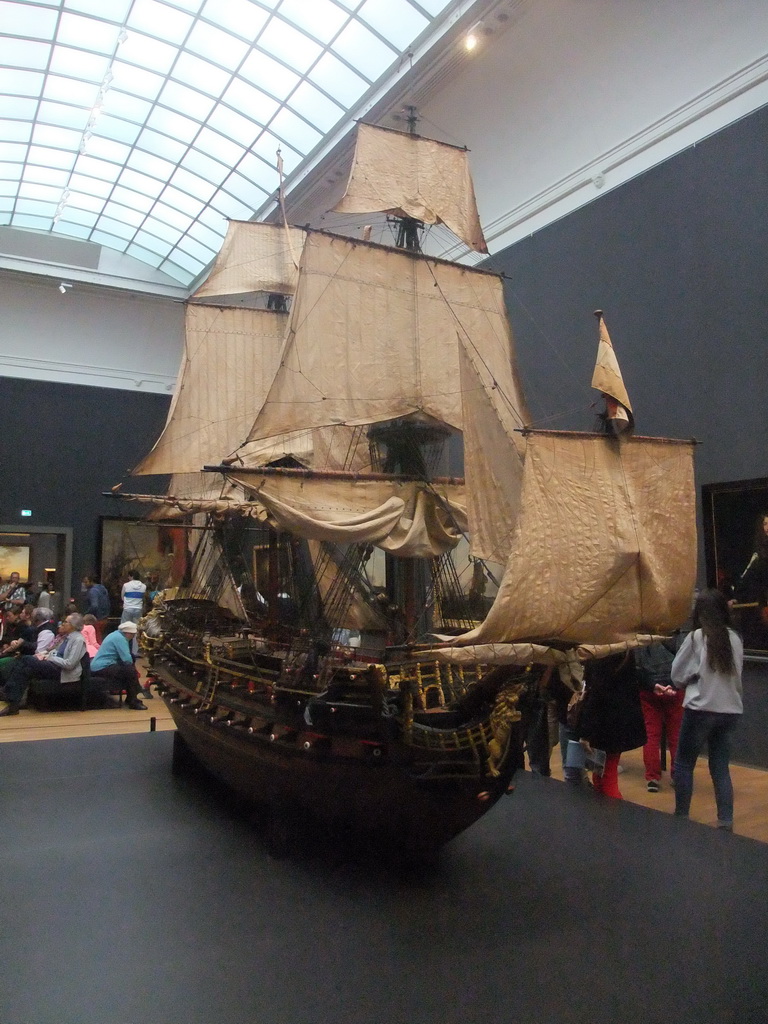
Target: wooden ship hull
(379,752)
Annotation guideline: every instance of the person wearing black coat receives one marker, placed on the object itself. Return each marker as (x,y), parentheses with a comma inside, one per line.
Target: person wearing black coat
(610,716)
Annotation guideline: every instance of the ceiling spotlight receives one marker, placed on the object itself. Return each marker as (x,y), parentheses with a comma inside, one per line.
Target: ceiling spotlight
(63,287)
(472,37)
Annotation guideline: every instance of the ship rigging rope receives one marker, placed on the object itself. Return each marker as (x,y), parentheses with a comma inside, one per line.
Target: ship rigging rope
(576,379)
(250,262)
(460,326)
(178,435)
(321,294)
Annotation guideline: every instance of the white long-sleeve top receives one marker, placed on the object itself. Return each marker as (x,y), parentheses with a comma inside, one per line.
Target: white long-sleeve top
(705,688)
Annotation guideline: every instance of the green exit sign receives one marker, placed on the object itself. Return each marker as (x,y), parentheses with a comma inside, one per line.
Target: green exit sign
(26,511)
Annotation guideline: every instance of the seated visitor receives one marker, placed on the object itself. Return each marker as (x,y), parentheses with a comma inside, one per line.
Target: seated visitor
(17,625)
(45,628)
(62,663)
(113,664)
(89,632)
(12,594)
(17,637)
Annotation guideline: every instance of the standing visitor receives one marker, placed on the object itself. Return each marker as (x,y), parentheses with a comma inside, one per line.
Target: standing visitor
(96,598)
(708,666)
(610,717)
(133,598)
(662,707)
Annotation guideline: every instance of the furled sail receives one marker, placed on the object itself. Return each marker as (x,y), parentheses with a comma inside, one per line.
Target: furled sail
(406,175)
(375,334)
(255,257)
(605,544)
(230,357)
(404,518)
(195,492)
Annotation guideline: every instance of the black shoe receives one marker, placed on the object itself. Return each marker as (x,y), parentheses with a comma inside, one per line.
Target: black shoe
(146,693)
(653,786)
(136,705)
(11,709)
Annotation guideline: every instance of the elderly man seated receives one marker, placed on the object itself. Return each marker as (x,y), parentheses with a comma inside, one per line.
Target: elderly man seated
(62,663)
(113,665)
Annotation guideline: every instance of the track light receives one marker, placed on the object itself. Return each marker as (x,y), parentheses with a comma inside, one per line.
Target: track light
(63,287)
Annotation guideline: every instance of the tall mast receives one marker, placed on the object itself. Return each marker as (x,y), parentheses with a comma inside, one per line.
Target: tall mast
(408,228)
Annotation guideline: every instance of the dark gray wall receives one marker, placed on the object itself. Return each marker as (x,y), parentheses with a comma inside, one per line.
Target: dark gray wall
(62,445)
(678,259)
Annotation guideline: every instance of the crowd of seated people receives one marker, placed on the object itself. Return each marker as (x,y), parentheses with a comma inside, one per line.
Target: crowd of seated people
(36,646)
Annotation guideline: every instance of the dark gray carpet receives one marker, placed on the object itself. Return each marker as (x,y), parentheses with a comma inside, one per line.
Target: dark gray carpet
(130,897)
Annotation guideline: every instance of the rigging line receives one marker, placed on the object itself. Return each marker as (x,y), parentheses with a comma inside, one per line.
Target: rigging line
(295,327)
(533,424)
(252,261)
(557,352)
(507,400)
(598,597)
(444,131)
(508,348)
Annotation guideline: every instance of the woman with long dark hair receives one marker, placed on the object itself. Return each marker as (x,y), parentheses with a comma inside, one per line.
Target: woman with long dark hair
(708,666)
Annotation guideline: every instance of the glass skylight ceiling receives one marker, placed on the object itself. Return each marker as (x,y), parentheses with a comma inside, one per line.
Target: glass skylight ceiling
(144,124)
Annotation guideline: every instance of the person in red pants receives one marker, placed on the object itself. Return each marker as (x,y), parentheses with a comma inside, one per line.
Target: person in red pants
(662,706)
(610,717)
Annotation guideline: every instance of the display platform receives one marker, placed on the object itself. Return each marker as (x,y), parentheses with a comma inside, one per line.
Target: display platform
(132,896)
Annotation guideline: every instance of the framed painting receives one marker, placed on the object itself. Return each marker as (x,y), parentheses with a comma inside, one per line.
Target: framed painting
(15,558)
(736,553)
(157,551)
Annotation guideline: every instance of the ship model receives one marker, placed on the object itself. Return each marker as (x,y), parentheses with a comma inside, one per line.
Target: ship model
(352,460)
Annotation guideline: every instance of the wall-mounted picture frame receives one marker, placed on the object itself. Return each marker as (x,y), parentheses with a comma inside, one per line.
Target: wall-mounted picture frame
(158,551)
(14,558)
(736,553)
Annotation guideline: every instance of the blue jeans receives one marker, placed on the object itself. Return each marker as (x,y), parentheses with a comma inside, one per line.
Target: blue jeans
(569,774)
(716,730)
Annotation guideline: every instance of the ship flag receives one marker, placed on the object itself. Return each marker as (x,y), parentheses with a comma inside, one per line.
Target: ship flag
(608,380)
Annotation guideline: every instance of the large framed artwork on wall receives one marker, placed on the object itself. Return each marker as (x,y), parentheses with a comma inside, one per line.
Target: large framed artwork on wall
(736,552)
(157,551)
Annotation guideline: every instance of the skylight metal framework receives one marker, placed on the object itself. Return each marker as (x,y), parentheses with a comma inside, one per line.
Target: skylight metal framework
(144,125)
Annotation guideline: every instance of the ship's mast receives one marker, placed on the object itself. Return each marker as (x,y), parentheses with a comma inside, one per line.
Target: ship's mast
(408,228)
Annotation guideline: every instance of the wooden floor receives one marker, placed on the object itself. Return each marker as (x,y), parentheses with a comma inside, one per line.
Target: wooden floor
(750,787)
(750,784)
(30,724)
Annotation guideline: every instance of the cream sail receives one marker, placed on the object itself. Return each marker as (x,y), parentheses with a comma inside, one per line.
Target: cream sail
(231,353)
(339,513)
(407,175)
(597,534)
